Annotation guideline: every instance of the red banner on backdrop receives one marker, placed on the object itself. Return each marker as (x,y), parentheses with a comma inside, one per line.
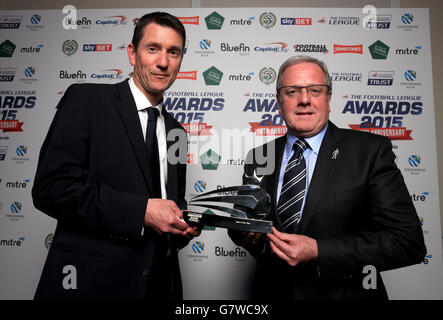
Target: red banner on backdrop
(197,129)
(11,126)
(267,130)
(392,133)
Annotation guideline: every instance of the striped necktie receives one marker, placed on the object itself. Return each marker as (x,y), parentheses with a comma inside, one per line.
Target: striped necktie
(293,189)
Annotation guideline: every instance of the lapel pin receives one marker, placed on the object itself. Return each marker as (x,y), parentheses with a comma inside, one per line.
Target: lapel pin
(335,154)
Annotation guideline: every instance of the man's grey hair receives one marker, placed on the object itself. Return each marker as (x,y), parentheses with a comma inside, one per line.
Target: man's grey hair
(300,59)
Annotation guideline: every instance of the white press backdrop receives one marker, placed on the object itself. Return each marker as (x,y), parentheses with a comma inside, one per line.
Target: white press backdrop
(382,79)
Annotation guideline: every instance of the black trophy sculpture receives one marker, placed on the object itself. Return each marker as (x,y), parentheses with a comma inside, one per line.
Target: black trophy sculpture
(251,205)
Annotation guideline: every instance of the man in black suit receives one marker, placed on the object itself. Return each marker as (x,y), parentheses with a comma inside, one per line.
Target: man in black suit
(116,197)
(351,210)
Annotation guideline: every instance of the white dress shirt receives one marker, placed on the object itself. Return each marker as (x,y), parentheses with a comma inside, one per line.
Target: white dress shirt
(142,104)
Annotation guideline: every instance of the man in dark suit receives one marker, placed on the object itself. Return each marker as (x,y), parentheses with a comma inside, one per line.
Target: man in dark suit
(349,215)
(116,197)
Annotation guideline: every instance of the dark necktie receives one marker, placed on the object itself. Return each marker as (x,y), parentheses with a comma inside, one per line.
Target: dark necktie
(152,145)
(293,188)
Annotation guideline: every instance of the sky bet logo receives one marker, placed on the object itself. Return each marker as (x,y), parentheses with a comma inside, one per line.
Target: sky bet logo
(97,47)
(296,21)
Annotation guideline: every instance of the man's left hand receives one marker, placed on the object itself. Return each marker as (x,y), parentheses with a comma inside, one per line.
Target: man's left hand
(293,248)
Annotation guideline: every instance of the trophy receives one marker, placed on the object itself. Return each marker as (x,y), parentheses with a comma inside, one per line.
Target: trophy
(251,206)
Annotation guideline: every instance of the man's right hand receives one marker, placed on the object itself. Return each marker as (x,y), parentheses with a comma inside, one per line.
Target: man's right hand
(251,241)
(164,216)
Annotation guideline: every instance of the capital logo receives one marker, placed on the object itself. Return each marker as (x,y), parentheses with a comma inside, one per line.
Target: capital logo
(21,150)
(16,207)
(29,72)
(6,49)
(69,47)
(109,74)
(267,75)
(113,20)
(268,20)
(205,44)
(210,160)
(3,151)
(214,21)
(212,76)
(200,186)
(379,50)
(414,160)
(36,19)
(7,74)
(198,247)
(407,18)
(410,75)
(10,22)
(273,47)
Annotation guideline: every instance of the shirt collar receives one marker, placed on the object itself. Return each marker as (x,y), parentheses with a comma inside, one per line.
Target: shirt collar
(140,99)
(314,141)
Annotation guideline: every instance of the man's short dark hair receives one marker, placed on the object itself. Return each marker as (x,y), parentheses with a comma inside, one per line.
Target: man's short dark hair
(161,18)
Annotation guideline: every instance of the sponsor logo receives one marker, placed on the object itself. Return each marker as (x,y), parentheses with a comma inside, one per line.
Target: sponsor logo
(18,184)
(82,22)
(214,21)
(79,75)
(108,74)
(414,160)
(97,47)
(408,23)
(415,165)
(188,75)
(15,209)
(346,21)
(198,248)
(241,77)
(31,49)
(242,22)
(338,48)
(7,74)
(268,20)
(296,21)
(36,19)
(210,160)
(378,22)
(12,242)
(205,46)
(411,79)
(379,50)
(421,197)
(112,20)
(10,22)
(267,75)
(346,76)
(311,48)
(36,22)
(3,151)
(7,49)
(69,47)
(200,186)
(241,48)
(273,47)
(30,73)
(238,253)
(21,150)
(408,51)
(212,76)
(189,20)
(380,78)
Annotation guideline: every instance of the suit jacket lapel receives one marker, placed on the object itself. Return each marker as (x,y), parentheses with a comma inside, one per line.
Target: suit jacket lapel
(323,171)
(125,105)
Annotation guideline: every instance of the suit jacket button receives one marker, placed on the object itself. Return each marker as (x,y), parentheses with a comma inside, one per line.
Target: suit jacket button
(145,272)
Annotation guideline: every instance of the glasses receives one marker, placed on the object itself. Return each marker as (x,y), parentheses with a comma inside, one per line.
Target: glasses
(315,90)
